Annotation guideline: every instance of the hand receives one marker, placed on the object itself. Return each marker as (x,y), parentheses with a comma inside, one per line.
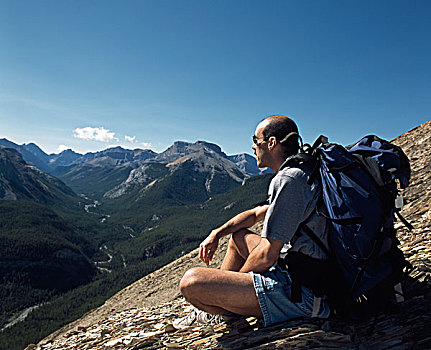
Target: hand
(208,247)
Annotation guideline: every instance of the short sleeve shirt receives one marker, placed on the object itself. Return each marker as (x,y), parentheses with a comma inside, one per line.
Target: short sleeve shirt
(291,202)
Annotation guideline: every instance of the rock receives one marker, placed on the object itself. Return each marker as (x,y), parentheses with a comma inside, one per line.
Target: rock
(31,347)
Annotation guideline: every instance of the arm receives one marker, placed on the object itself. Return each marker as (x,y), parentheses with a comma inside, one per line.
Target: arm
(245,219)
(263,256)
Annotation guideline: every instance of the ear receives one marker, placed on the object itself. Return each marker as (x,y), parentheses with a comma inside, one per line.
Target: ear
(272,142)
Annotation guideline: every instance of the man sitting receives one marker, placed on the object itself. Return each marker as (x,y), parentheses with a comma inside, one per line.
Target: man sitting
(250,282)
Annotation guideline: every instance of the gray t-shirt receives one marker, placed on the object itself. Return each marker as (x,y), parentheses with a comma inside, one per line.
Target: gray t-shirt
(292,201)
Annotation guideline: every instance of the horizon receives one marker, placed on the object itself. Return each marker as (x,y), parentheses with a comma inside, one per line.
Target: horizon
(117,146)
(149,149)
(142,75)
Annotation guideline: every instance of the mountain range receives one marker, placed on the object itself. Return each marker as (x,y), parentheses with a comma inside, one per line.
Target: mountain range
(22,180)
(113,172)
(101,220)
(39,248)
(118,155)
(127,185)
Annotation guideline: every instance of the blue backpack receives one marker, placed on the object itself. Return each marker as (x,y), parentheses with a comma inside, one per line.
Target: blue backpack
(360,199)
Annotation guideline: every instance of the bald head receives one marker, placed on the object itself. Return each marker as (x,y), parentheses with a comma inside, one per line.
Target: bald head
(281,127)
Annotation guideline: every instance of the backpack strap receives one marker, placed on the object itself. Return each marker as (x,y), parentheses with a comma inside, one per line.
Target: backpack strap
(316,306)
(315,239)
(298,158)
(295,261)
(404,221)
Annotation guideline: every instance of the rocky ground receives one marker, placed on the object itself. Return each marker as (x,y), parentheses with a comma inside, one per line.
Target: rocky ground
(141,316)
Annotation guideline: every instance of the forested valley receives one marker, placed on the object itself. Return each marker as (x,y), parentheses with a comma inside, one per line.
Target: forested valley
(65,250)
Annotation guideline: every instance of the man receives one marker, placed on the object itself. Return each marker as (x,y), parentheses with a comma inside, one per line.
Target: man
(250,282)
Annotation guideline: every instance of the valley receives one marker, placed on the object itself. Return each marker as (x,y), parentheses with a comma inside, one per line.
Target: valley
(20,316)
(120,214)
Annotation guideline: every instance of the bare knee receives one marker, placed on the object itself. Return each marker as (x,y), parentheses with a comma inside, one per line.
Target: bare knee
(243,242)
(191,282)
(237,239)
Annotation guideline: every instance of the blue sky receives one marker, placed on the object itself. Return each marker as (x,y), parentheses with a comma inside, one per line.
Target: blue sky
(90,74)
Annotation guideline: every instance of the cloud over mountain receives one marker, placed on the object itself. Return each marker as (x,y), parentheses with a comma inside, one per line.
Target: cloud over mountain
(130,138)
(96,134)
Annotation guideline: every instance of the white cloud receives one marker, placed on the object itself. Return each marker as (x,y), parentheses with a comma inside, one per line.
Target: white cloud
(62,148)
(134,140)
(96,134)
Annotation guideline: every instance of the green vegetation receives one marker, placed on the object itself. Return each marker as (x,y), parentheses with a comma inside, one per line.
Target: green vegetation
(182,226)
(184,186)
(41,255)
(97,178)
(162,224)
(27,228)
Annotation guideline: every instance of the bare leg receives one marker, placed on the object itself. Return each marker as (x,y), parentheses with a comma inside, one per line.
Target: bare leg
(219,292)
(226,290)
(241,244)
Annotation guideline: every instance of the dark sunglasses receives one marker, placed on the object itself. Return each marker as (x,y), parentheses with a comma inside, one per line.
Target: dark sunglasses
(255,140)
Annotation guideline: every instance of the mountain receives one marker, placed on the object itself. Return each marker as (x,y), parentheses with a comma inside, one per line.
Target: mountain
(248,164)
(138,179)
(153,207)
(28,196)
(93,180)
(41,252)
(108,173)
(8,144)
(152,210)
(94,174)
(143,247)
(184,182)
(22,180)
(140,316)
(36,152)
(199,167)
(112,156)
(64,158)
(181,149)
(118,155)
(115,156)
(31,153)
(195,173)
(117,172)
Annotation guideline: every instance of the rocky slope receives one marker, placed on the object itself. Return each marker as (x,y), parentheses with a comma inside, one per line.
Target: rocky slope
(116,172)
(181,149)
(22,180)
(30,152)
(141,315)
(194,168)
(248,164)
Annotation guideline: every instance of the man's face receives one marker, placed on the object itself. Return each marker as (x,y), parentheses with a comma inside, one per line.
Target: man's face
(260,147)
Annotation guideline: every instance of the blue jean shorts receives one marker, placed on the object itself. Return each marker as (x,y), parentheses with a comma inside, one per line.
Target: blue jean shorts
(273,293)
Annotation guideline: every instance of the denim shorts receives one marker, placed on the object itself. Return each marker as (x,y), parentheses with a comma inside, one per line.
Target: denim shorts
(273,293)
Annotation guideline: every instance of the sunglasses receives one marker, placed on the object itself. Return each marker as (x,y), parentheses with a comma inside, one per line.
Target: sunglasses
(255,140)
